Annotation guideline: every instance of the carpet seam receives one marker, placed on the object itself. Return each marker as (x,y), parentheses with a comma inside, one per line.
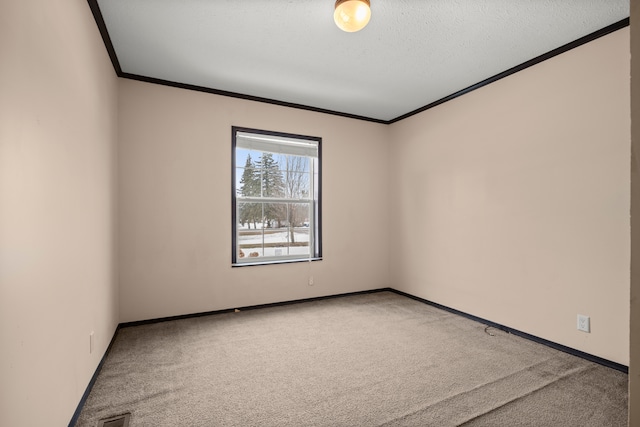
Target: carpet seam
(530,393)
(562,377)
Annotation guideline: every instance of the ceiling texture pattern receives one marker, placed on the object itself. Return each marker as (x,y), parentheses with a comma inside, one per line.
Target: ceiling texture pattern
(412,54)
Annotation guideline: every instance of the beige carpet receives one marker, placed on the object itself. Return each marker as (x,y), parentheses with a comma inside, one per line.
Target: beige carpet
(376,359)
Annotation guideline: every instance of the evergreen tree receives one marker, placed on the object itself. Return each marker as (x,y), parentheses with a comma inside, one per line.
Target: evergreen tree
(272,186)
(250,187)
(272,182)
(250,181)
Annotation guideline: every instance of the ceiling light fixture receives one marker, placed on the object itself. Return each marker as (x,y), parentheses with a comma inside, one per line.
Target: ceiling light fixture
(352,15)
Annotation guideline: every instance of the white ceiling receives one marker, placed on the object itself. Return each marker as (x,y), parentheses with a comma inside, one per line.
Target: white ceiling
(412,53)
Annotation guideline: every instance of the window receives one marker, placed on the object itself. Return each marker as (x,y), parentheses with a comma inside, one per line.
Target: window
(275,197)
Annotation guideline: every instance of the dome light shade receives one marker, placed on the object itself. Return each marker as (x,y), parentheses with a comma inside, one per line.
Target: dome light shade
(352,15)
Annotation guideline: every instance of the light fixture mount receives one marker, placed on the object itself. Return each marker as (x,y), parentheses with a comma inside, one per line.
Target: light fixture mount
(352,15)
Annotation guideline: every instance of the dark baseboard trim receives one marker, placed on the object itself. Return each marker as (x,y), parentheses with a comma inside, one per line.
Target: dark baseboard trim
(85,395)
(246,308)
(76,414)
(590,357)
(565,349)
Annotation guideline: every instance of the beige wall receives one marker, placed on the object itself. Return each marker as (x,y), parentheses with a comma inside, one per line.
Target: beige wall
(634,363)
(509,203)
(174,204)
(57,136)
(512,202)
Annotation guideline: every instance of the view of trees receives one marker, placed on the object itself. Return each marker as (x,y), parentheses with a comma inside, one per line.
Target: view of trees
(250,187)
(284,178)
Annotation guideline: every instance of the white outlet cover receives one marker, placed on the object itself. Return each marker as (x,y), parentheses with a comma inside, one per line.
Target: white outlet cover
(584,323)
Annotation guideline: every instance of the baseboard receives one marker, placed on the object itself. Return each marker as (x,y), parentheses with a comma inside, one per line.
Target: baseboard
(83,400)
(245,308)
(563,348)
(94,377)
(599,360)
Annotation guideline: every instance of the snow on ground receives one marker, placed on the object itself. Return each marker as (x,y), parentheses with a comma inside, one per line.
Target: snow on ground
(271,237)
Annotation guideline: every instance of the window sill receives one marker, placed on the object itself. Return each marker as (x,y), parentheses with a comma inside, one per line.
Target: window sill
(283,261)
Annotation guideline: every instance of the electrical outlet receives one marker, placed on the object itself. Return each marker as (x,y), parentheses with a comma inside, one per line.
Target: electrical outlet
(584,323)
(91,342)
(310,280)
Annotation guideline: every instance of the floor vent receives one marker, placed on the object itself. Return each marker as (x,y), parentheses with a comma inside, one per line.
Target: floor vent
(117,421)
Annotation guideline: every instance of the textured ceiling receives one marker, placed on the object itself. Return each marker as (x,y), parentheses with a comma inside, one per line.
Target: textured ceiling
(412,53)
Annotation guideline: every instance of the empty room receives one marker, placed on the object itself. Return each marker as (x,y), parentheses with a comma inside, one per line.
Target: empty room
(319,212)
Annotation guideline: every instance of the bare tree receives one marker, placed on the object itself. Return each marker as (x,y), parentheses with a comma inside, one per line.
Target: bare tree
(296,186)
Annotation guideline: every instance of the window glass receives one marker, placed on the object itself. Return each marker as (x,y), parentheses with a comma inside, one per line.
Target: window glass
(276,197)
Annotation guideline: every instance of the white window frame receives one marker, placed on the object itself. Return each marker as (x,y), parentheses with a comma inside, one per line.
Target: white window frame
(278,143)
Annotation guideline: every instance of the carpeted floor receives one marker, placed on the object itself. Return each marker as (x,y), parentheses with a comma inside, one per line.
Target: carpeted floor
(376,359)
